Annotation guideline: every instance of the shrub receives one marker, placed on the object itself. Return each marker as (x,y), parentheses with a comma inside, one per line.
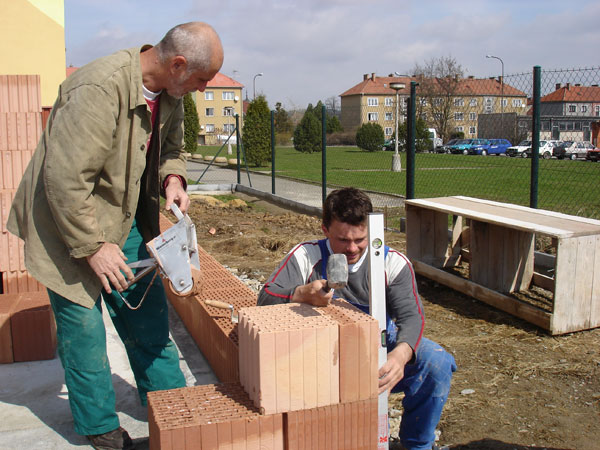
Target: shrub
(307,135)
(191,124)
(257,132)
(370,137)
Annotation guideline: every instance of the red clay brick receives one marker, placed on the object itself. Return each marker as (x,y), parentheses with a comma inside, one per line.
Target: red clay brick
(33,328)
(8,303)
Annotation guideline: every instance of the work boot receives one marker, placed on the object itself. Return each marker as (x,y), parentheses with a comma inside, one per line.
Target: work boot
(115,439)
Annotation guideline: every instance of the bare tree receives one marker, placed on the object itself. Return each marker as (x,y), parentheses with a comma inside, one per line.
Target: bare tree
(439,79)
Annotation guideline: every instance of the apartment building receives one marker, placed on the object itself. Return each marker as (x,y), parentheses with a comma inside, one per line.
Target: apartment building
(449,105)
(217,107)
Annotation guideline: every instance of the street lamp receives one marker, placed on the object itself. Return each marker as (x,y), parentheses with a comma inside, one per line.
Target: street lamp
(254,83)
(396,163)
(501,93)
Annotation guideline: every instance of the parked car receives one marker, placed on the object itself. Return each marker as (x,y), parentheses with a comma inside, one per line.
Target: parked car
(446,147)
(546,148)
(481,148)
(464,145)
(493,147)
(572,150)
(593,155)
(519,149)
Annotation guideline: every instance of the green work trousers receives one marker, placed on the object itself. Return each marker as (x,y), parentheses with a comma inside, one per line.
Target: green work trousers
(81,339)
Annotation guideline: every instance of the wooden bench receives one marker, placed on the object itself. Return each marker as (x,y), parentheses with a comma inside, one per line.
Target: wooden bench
(499,244)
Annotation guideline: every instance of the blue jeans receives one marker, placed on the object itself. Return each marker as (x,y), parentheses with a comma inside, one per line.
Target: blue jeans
(426,385)
(82,347)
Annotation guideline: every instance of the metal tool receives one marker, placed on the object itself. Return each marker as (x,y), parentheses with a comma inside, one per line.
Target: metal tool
(174,253)
(377,308)
(223,305)
(337,272)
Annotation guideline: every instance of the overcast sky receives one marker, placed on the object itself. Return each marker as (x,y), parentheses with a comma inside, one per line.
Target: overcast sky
(310,50)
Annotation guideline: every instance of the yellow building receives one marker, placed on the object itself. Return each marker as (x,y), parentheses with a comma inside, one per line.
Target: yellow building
(217,107)
(32,33)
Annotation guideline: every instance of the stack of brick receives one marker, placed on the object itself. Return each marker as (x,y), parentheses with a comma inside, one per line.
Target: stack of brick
(314,367)
(20,130)
(210,417)
(27,327)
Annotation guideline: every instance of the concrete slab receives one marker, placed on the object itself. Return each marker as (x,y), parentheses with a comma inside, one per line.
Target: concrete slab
(34,405)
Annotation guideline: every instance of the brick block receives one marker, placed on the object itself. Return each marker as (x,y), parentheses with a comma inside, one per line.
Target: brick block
(33,328)
(209,417)
(8,303)
(283,347)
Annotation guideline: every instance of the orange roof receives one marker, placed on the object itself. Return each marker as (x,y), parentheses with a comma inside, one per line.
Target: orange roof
(570,93)
(467,86)
(221,80)
(71,69)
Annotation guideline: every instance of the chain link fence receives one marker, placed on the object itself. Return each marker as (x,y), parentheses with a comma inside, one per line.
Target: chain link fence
(474,138)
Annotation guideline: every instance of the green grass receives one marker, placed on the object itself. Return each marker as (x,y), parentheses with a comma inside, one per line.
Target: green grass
(566,186)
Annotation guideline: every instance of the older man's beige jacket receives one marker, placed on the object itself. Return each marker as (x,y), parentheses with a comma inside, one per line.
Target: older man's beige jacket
(82,185)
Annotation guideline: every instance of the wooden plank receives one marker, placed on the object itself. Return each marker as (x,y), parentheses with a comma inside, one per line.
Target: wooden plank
(456,233)
(543,281)
(413,232)
(498,277)
(581,304)
(528,219)
(479,248)
(502,302)
(595,270)
(440,239)
(427,236)
(564,291)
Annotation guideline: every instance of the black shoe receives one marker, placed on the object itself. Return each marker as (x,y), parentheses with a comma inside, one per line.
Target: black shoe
(115,439)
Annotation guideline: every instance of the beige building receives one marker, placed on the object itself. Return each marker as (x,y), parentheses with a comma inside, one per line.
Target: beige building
(217,107)
(32,33)
(373,100)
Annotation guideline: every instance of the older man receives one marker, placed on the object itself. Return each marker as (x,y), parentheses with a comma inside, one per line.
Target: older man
(89,200)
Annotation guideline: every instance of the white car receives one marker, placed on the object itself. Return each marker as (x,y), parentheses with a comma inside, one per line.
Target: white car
(519,149)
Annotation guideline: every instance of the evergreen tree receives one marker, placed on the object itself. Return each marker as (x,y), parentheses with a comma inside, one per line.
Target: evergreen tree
(257,132)
(307,135)
(282,119)
(370,137)
(191,124)
(333,124)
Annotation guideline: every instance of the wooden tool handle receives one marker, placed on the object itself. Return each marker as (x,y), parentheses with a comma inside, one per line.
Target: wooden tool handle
(218,304)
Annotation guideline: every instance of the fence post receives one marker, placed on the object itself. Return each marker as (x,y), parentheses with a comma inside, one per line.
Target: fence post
(273,152)
(535,138)
(411,131)
(237,145)
(323,153)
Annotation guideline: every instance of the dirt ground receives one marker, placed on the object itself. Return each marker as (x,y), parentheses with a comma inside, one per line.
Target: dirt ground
(516,386)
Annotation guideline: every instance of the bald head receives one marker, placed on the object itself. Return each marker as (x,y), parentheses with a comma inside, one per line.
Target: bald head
(197,42)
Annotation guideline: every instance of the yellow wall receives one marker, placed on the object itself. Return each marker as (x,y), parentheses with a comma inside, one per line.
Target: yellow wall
(32,33)
(218,119)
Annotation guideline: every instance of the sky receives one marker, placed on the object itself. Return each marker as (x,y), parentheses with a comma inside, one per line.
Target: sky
(311,50)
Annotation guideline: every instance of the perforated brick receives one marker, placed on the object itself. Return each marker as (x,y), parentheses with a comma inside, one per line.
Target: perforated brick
(209,417)
(289,357)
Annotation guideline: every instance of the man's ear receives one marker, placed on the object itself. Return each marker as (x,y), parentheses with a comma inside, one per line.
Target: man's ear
(325,230)
(178,64)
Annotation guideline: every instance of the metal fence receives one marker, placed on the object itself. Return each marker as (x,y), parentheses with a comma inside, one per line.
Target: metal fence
(566,119)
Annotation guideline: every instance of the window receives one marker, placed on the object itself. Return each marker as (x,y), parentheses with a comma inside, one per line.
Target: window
(473,102)
(210,112)
(424,117)
(437,101)
(584,108)
(227,95)
(459,129)
(228,111)
(473,130)
(228,128)
(572,108)
(372,117)
(423,101)
(577,126)
(373,101)
(389,101)
(209,95)
(388,131)
(437,116)
(459,102)
(517,102)
(472,116)
(597,111)
(209,127)
(459,116)
(389,116)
